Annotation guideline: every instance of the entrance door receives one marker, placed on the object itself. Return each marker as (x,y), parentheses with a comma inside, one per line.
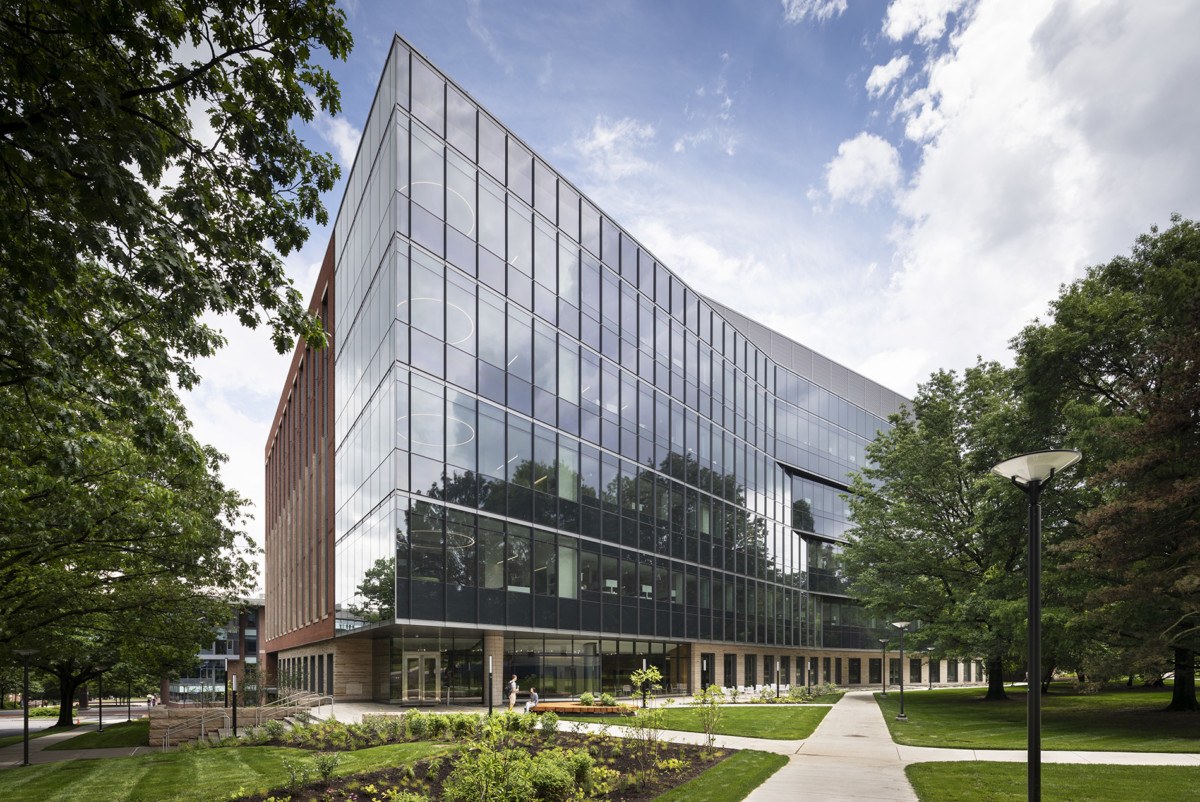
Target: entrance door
(422,677)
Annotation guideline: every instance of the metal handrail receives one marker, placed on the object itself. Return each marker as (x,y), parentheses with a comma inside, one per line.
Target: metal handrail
(211,713)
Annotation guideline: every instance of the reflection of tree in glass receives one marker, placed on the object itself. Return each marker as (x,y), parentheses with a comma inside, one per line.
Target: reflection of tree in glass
(377,591)
(802,516)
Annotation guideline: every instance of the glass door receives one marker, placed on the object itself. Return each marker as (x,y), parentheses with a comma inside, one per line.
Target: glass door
(422,677)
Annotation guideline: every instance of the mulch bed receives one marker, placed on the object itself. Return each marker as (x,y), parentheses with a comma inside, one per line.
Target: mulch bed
(613,753)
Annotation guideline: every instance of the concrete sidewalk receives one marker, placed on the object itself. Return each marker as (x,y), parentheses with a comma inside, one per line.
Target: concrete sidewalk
(11,756)
(851,758)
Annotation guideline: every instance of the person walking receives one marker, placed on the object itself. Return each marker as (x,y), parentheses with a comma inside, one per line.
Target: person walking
(512,693)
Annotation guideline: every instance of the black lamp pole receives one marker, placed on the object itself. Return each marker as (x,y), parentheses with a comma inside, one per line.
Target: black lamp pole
(1030,472)
(883,666)
(489,685)
(25,654)
(903,627)
(929,666)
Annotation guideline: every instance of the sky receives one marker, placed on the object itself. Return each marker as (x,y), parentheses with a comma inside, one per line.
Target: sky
(901,186)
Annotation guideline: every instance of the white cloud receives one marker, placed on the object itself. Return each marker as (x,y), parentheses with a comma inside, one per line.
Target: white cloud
(926,18)
(481,32)
(613,150)
(884,75)
(795,11)
(1050,137)
(864,167)
(340,134)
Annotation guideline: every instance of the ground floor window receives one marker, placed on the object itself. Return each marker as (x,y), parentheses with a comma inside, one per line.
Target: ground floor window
(935,670)
(854,670)
(731,671)
(785,670)
(837,671)
(951,671)
(751,670)
(875,669)
(893,671)
(914,669)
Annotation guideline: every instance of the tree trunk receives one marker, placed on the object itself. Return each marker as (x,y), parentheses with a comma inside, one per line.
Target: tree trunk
(67,685)
(995,675)
(1184,696)
(1047,675)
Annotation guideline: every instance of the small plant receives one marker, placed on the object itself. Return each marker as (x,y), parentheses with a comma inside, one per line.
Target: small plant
(326,764)
(274,729)
(709,701)
(298,772)
(673,765)
(587,699)
(549,725)
(418,724)
(607,699)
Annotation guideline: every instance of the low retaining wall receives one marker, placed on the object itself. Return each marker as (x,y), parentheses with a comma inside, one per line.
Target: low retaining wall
(183,724)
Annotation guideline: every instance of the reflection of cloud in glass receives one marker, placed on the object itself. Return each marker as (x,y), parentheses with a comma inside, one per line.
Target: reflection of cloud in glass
(451,195)
(462,322)
(426,433)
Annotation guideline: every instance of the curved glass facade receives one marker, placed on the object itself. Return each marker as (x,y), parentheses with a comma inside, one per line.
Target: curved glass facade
(540,430)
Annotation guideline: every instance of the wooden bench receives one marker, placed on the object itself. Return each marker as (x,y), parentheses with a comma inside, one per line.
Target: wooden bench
(572,708)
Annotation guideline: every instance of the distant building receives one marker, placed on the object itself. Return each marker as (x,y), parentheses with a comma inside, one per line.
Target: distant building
(533,449)
(234,651)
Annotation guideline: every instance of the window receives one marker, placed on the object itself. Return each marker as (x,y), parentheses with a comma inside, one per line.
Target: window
(751,669)
(854,671)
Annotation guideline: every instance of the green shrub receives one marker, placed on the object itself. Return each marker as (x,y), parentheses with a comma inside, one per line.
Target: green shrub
(486,774)
(550,723)
(608,699)
(551,780)
(326,764)
(43,712)
(298,771)
(438,725)
(417,724)
(579,763)
(587,698)
(274,729)
(463,725)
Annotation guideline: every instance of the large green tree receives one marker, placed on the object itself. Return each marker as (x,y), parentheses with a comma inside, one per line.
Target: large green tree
(936,539)
(1120,363)
(152,177)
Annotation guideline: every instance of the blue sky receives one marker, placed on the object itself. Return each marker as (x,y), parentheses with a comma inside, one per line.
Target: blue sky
(899,185)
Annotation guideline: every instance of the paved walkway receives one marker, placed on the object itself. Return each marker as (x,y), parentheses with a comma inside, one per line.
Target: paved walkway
(849,758)
(13,755)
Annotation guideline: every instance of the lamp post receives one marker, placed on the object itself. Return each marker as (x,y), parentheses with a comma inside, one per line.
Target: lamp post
(25,654)
(903,627)
(489,686)
(235,676)
(100,694)
(1030,472)
(883,642)
(929,665)
(643,683)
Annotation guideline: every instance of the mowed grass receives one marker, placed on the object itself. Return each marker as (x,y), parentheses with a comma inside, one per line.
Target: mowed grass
(1118,719)
(9,740)
(730,780)
(194,775)
(126,733)
(1006,782)
(780,722)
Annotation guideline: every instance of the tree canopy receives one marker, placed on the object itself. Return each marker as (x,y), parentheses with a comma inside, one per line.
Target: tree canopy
(152,178)
(936,539)
(1120,364)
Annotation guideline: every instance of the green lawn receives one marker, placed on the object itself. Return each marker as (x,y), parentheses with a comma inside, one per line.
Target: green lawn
(9,740)
(126,733)
(1005,782)
(780,722)
(730,780)
(196,775)
(1117,719)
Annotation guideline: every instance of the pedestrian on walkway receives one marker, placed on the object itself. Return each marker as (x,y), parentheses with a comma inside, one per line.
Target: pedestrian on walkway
(512,693)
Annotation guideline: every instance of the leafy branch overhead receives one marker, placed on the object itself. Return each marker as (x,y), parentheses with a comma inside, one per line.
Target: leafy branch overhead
(153,177)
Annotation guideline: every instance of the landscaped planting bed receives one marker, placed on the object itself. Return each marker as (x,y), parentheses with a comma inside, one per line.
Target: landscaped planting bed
(505,757)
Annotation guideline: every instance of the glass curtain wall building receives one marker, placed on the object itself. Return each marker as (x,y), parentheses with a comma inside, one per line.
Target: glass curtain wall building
(550,452)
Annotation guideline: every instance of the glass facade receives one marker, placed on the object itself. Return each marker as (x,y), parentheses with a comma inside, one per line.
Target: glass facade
(540,428)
